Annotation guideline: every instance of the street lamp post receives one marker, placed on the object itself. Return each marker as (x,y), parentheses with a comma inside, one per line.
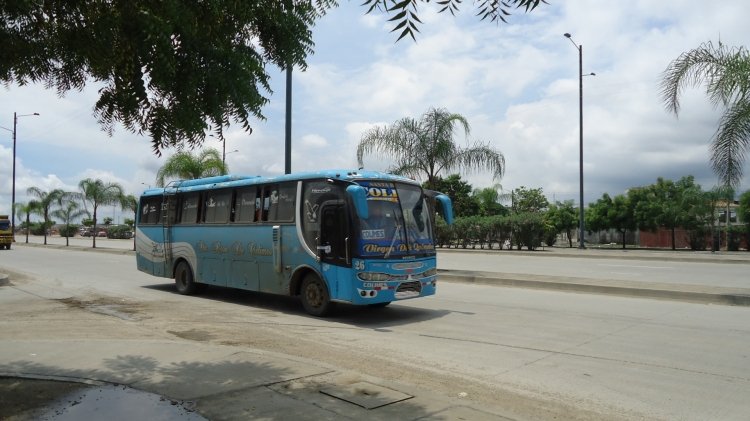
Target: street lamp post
(13,199)
(224,147)
(581,224)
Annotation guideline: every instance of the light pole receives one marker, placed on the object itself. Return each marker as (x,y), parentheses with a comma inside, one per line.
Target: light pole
(13,199)
(224,146)
(581,224)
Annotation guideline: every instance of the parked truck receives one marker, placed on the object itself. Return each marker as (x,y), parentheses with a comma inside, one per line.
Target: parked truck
(6,234)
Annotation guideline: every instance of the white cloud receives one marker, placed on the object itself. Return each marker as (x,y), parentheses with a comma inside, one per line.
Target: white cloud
(516,83)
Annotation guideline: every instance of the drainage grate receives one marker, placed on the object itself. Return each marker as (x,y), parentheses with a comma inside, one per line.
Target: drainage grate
(366,395)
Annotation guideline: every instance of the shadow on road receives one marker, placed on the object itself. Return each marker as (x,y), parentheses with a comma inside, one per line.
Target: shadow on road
(359,316)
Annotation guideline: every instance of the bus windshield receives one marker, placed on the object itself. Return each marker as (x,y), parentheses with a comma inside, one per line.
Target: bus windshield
(399,223)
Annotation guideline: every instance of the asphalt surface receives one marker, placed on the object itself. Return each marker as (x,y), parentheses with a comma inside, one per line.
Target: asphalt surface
(244,378)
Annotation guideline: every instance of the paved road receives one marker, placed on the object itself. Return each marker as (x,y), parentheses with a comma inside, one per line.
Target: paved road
(518,353)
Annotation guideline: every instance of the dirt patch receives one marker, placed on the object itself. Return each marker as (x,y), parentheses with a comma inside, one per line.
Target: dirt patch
(109,306)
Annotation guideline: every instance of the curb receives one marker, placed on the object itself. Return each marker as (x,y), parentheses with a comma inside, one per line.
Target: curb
(726,296)
(79,248)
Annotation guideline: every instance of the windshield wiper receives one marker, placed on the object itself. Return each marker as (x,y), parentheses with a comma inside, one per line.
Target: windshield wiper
(393,241)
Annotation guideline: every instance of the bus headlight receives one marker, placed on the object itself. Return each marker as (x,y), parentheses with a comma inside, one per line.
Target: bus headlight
(429,272)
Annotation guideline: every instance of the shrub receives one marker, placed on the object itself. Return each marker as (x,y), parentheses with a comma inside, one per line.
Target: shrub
(735,237)
(443,233)
(119,231)
(528,230)
(68,230)
(39,228)
(697,238)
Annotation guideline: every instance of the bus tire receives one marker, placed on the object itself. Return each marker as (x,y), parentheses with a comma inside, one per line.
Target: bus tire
(183,279)
(314,295)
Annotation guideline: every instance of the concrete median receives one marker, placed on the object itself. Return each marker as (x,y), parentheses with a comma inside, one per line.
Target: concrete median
(680,292)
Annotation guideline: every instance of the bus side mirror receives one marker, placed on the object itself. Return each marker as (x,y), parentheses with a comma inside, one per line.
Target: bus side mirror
(358,194)
(446,207)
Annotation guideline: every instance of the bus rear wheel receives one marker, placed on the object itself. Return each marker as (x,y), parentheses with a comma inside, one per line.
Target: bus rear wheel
(314,295)
(183,278)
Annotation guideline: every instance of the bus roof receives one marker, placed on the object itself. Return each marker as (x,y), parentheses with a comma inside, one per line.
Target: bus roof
(243,180)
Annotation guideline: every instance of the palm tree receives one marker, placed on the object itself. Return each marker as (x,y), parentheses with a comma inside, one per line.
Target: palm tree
(99,193)
(26,209)
(45,200)
(68,211)
(726,72)
(425,147)
(184,165)
(489,199)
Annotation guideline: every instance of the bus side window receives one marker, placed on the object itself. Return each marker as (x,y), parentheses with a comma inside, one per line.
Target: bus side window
(216,206)
(282,206)
(190,206)
(150,210)
(268,195)
(245,205)
(258,207)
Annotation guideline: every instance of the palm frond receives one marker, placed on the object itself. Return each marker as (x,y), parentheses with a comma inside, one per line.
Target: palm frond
(730,144)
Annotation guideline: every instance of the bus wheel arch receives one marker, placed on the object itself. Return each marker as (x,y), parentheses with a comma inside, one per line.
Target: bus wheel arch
(295,282)
(314,295)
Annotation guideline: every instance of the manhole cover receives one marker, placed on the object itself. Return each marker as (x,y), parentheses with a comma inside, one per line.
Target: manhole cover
(366,395)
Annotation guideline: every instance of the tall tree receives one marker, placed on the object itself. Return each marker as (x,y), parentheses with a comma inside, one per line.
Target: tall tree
(172,69)
(489,199)
(406,17)
(616,213)
(564,217)
(69,210)
(664,204)
(460,193)
(529,200)
(98,193)
(425,147)
(185,166)
(24,211)
(726,72)
(45,201)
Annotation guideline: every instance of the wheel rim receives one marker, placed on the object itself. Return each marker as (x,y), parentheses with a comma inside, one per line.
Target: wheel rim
(313,294)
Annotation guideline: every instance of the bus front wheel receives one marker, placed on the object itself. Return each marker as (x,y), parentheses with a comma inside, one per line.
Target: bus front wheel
(183,278)
(314,294)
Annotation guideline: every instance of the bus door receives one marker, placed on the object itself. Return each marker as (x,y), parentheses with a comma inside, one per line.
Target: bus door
(334,234)
(164,267)
(333,245)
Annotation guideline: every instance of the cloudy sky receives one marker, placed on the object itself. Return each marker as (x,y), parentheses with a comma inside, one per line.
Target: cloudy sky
(516,83)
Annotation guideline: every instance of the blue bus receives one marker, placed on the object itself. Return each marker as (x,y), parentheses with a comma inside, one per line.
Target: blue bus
(358,237)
